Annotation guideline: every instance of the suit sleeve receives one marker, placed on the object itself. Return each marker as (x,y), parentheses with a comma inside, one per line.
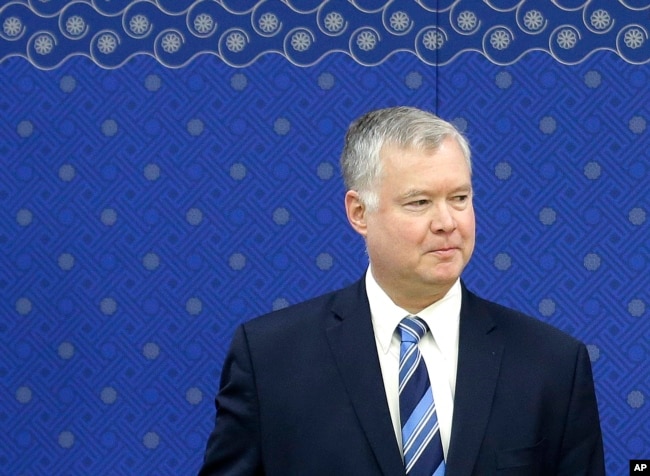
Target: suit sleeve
(234,444)
(582,444)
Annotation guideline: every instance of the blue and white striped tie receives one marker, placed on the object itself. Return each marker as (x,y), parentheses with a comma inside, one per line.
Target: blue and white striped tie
(421,443)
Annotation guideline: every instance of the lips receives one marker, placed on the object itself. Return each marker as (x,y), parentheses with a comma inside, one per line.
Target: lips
(445,252)
(445,248)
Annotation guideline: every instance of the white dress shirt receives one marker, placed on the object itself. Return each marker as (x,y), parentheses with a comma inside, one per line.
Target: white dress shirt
(439,349)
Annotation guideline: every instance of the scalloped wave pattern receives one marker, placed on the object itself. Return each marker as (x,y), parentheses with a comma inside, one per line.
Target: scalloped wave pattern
(48,32)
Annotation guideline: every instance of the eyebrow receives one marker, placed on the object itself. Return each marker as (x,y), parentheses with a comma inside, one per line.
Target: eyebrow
(415,192)
(464,188)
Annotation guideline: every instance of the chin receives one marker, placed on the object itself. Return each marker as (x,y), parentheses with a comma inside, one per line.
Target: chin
(441,279)
(448,271)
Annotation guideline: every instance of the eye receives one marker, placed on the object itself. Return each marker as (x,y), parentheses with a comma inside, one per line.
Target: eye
(418,203)
(460,200)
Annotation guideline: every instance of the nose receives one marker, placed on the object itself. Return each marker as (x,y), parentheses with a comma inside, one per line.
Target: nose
(442,219)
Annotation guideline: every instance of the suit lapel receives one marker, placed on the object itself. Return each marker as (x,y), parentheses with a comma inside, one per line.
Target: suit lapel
(352,342)
(479,357)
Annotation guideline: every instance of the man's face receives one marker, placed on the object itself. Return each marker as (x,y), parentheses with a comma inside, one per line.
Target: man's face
(422,234)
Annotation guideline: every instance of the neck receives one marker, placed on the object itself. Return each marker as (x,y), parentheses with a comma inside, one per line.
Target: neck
(414,300)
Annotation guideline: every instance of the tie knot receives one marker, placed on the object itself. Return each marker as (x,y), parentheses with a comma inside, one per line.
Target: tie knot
(412,329)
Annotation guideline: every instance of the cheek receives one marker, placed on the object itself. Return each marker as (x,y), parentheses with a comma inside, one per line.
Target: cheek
(467,228)
(468,232)
(417,232)
(394,240)
(469,248)
(394,229)
(467,223)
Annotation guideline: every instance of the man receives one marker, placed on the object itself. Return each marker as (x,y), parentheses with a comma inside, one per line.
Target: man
(317,388)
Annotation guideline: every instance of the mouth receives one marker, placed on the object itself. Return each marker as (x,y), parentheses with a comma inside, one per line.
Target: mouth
(444,252)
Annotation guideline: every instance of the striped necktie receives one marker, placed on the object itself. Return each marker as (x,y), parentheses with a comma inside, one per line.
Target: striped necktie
(421,443)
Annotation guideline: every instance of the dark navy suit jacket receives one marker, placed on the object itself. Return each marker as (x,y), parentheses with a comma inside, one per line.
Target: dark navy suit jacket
(302,394)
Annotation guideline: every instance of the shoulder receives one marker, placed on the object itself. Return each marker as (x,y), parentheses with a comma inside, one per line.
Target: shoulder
(308,313)
(516,324)
(289,337)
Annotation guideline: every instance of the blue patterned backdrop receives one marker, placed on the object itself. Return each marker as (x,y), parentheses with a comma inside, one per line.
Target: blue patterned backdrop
(170,169)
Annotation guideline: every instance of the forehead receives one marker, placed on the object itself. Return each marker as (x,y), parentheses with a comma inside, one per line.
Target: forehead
(448,156)
(412,171)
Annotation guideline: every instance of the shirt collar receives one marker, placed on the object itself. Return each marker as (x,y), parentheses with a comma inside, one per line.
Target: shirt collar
(442,316)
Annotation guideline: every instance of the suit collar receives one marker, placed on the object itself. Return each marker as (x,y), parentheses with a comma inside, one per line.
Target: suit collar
(479,358)
(352,342)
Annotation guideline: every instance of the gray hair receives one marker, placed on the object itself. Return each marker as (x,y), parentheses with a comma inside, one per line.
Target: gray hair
(404,127)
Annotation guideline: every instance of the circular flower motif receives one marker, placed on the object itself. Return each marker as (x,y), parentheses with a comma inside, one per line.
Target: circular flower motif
(171,42)
(567,39)
(399,21)
(236,42)
(533,20)
(12,26)
(637,216)
(593,79)
(633,38)
(500,39)
(75,25)
(269,22)
(300,41)
(366,40)
(600,19)
(139,24)
(413,80)
(547,125)
(43,44)
(433,40)
(637,124)
(467,20)
(503,80)
(333,22)
(203,23)
(107,43)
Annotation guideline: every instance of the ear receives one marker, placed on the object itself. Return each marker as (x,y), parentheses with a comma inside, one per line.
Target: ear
(356,212)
